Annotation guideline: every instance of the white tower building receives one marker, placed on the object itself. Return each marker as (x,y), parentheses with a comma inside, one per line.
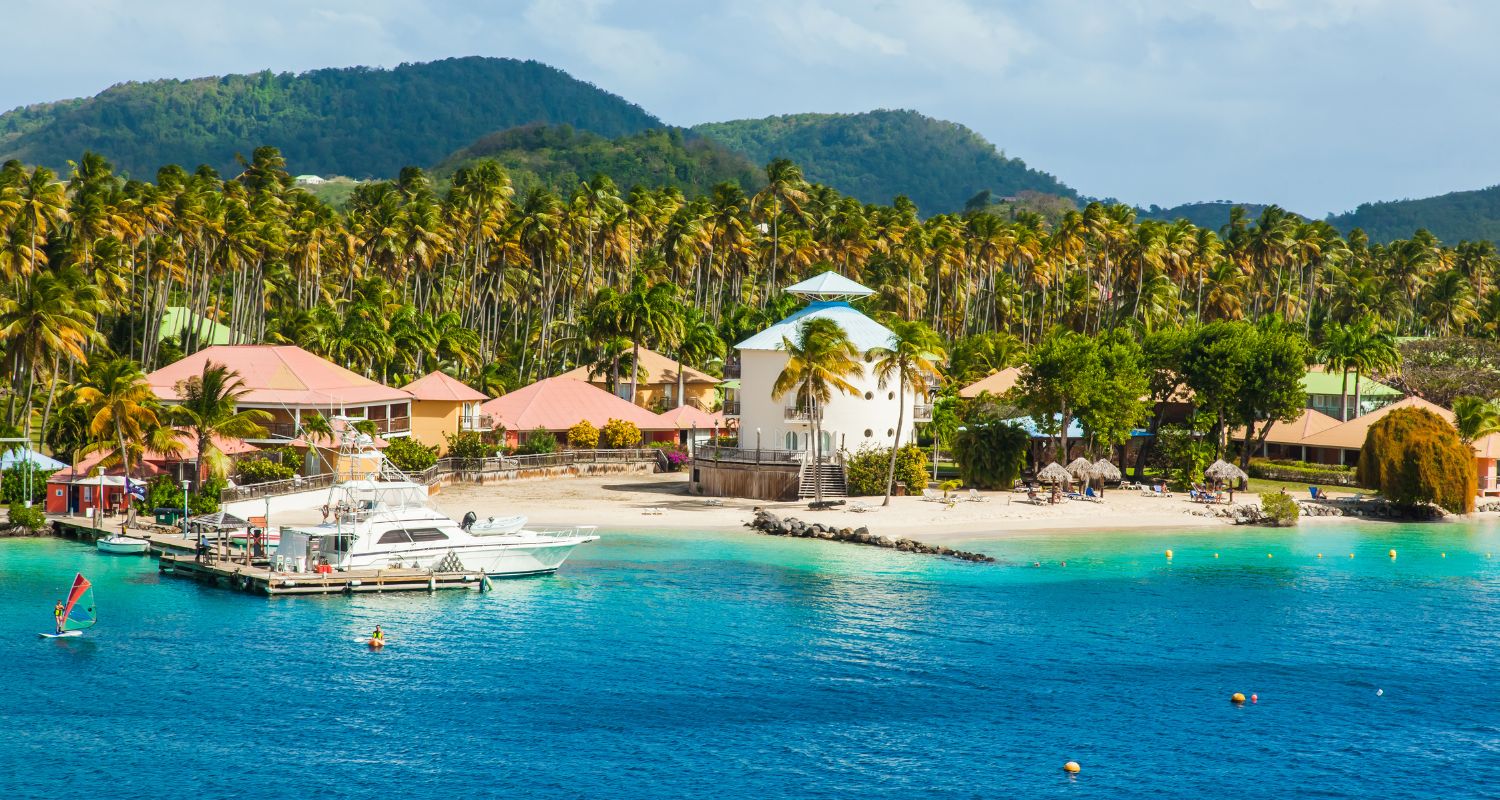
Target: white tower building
(866,417)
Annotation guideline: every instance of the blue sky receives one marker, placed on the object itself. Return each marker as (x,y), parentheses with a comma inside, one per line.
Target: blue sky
(1315,104)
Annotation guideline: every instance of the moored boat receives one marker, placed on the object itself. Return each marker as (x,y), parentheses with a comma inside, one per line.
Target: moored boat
(119,544)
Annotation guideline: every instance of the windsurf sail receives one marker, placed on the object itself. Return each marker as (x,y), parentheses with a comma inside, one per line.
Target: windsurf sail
(78,613)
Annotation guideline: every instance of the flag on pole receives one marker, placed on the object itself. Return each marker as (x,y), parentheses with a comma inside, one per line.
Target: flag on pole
(135,490)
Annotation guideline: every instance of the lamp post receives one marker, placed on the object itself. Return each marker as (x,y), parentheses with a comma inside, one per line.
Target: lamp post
(757,445)
(185,484)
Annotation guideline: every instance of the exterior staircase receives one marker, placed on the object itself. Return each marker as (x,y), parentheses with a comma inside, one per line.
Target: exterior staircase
(834,484)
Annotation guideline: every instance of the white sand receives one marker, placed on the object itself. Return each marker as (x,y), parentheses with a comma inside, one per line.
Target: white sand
(628,502)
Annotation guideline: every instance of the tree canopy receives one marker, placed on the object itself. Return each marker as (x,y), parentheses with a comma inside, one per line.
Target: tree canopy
(1414,457)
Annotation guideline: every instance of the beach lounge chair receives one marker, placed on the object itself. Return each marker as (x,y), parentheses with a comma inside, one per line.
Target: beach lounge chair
(976,497)
(1090,494)
(933,496)
(860,507)
(713,501)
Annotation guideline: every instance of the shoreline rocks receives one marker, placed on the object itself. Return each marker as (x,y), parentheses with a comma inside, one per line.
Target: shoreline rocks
(772,525)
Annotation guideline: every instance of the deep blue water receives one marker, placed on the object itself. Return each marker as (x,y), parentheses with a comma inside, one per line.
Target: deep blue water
(673,665)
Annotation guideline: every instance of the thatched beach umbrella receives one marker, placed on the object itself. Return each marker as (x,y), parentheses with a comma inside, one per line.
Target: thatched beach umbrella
(1106,471)
(1222,470)
(1053,473)
(1081,468)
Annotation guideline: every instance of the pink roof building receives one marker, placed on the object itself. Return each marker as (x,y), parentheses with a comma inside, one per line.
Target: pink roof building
(443,406)
(288,382)
(557,404)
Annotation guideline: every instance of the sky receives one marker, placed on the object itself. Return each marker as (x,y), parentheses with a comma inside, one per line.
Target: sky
(1317,105)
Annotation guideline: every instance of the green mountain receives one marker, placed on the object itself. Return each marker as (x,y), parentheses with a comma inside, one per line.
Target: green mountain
(558,157)
(1212,215)
(877,155)
(358,121)
(1451,217)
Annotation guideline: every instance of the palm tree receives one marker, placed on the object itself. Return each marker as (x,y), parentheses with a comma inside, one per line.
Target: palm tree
(45,321)
(698,341)
(783,190)
(911,360)
(646,312)
(1475,417)
(123,411)
(1370,350)
(209,409)
(1335,356)
(819,362)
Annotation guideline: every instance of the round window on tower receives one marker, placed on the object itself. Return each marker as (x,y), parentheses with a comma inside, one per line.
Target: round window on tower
(890,395)
(890,431)
(869,395)
(869,433)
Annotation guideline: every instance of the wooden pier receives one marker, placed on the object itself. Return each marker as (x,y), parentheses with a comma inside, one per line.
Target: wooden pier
(226,567)
(258,579)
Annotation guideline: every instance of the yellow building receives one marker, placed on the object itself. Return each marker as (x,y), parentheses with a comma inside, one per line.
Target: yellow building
(658,383)
(442,405)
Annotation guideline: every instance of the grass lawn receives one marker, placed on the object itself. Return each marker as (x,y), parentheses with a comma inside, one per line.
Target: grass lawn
(1262,485)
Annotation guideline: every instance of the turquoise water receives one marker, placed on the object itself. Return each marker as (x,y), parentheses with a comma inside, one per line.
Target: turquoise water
(673,665)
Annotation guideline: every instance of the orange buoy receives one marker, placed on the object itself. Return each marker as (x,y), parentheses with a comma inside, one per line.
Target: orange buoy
(1237,698)
(1254,698)
(1072,768)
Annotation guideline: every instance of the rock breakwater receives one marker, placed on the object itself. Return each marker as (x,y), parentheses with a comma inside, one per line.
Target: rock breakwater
(772,525)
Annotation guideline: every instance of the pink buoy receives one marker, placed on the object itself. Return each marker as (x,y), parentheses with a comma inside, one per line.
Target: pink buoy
(1254,699)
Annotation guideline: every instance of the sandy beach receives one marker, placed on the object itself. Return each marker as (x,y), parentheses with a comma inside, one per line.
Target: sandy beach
(660,502)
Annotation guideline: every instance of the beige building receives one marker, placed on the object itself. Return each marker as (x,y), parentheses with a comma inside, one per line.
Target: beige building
(658,383)
(442,405)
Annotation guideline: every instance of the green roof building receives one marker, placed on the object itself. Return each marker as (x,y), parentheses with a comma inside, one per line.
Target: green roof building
(205,331)
(1325,394)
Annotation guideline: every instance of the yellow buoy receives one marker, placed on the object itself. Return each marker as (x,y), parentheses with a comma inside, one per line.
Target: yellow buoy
(1351,555)
(1072,767)
(1216,555)
(1393,552)
(1320,555)
(1169,554)
(1237,698)
(1444,555)
(1268,555)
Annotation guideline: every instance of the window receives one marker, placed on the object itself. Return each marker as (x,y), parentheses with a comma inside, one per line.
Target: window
(869,433)
(890,431)
(869,395)
(427,535)
(394,537)
(890,395)
(791,440)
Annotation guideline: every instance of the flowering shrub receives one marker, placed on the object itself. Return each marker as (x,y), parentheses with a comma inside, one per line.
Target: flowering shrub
(583,435)
(618,433)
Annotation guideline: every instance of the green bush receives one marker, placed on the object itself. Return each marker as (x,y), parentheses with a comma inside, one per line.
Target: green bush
(163,491)
(618,434)
(1184,453)
(206,499)
(263,470)
(538,442)
(991,454)
(410,455)
(1414,457)
(583,435)
(468,444)
(13,485)
(1286,470)
(31,519)
(1279,509)
(866,469)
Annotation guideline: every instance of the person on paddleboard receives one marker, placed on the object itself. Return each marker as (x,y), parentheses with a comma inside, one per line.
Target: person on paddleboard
(378,637)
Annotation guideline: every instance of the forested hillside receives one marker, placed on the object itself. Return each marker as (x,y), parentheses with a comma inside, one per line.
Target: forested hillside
(1451,217)
(558,157)
(880,154)
(358,121)
(1213,215)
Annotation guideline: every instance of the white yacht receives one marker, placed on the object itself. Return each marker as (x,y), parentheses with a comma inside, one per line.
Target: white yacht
(381,524)
(385,521)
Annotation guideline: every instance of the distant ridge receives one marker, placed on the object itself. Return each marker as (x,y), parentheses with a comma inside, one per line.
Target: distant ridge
(877,155)
(1452,217)
(1213,214)
(357,121)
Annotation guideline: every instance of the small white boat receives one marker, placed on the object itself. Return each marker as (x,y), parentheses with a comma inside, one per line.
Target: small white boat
(497,525)
(122,545)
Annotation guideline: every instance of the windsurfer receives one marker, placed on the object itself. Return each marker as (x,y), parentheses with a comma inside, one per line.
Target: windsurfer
(57,614)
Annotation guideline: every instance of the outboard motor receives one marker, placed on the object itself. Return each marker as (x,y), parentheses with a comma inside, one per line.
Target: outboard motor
(469,520)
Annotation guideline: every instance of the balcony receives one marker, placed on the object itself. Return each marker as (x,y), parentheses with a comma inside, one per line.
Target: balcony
(476,422)
(276,430)
(922,412)
(731,408)
(392,425)
(796,414)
